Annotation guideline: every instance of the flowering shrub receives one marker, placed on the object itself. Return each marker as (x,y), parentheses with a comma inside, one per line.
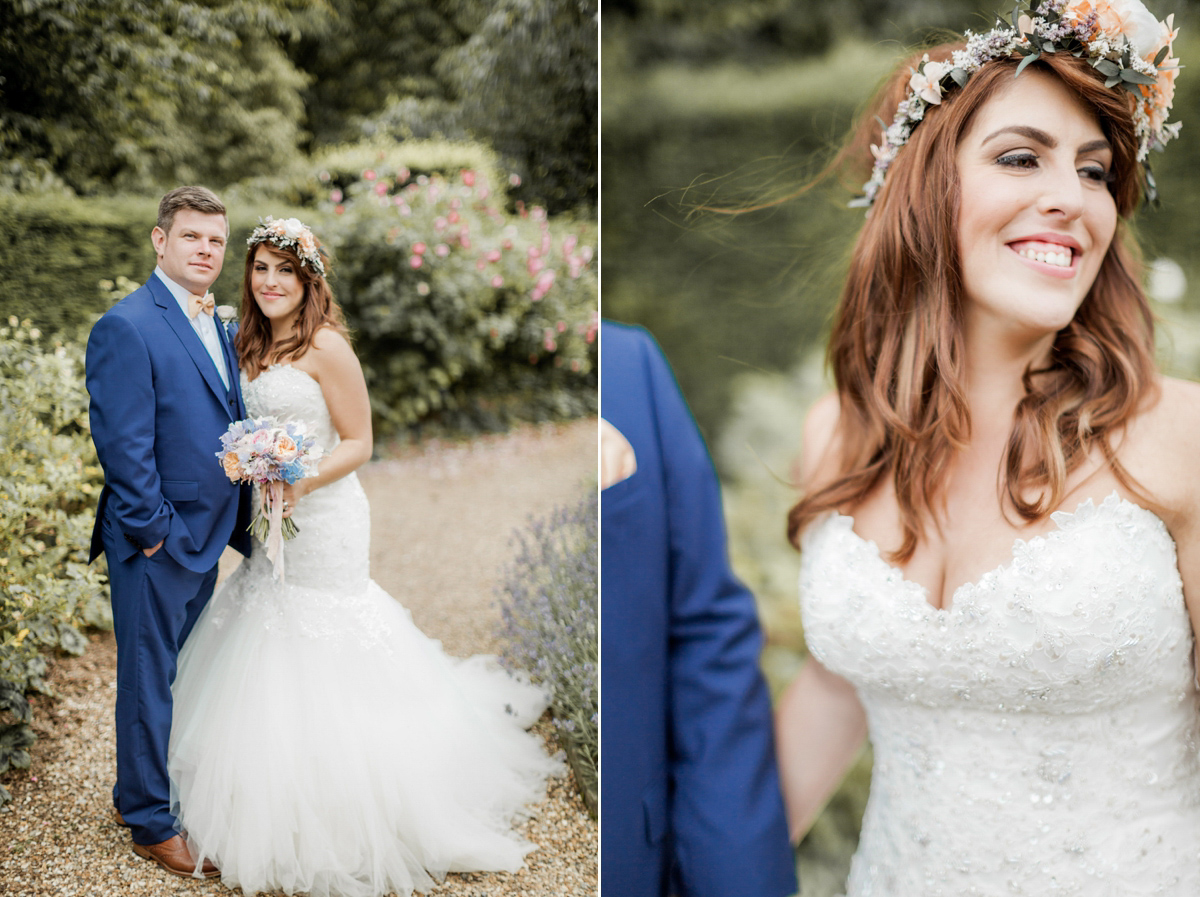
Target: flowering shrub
(548,610)
(467,314)
(47,495)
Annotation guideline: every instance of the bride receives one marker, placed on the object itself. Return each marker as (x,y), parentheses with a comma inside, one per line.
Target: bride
(321,743)
(1000,574)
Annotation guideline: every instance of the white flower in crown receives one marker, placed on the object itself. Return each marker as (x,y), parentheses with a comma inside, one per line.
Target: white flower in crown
(926,81)
(1115,18)
(293,229)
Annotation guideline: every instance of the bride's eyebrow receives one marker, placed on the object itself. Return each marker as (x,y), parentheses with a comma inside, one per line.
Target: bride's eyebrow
(1035,134)
(1046,139)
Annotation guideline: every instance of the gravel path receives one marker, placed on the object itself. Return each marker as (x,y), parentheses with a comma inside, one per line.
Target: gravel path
(442,517)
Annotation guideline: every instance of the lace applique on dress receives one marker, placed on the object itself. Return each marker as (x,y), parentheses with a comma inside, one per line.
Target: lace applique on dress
(1040,736)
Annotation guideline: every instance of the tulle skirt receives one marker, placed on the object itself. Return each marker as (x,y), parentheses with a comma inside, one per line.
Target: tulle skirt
(322,744)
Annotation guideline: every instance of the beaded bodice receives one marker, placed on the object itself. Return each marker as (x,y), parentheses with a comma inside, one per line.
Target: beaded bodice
(1038,736)
(328,563)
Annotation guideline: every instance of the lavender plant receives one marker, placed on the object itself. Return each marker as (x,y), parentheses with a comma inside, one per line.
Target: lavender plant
(548,607)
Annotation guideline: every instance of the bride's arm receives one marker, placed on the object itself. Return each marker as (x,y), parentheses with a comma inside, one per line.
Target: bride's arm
(819,727)
(819,722)
(332,363)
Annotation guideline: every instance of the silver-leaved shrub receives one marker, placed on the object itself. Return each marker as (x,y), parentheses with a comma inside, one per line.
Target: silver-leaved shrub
(51,480)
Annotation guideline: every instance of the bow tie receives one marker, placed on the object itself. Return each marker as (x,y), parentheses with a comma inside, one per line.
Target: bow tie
(197,304)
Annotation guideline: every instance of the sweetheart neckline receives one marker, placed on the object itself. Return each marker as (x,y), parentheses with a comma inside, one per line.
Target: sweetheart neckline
(281,364)
(1064,523)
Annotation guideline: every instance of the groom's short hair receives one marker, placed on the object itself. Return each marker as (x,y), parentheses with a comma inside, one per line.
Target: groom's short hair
(201,199)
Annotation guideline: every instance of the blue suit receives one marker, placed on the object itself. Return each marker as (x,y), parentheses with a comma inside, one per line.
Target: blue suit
(158,409)
(690,801)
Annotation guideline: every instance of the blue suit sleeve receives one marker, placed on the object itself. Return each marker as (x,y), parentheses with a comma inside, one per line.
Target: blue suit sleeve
(120,382)
(727,811)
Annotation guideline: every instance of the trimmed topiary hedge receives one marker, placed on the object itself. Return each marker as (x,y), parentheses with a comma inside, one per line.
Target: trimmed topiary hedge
(60,255)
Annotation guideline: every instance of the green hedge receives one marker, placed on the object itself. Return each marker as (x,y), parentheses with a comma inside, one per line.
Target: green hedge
(47,501)
(60,255)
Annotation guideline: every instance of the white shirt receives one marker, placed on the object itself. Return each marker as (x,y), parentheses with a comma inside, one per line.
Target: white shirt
(204,325)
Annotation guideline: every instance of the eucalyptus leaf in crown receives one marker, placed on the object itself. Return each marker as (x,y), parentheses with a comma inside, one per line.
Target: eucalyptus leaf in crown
(1121,39)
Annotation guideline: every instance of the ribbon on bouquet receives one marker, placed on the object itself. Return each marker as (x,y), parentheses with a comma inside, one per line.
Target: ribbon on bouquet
(273,501)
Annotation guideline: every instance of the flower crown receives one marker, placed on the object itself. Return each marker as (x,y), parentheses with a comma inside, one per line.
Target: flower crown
(1121,39)
(289,233)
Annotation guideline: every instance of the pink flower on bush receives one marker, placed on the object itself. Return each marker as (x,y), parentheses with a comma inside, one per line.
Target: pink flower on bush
(439,224)
(335,195)
(403,174)
(415,262)
(453,218)
(497,281)
(549,344)
(507,244)
(545,280)
(465,241)
(514,180)
(480,264)
(569,244)
(419,248)
(534,265)
(468,177)
(441,250)
(493,255)
(381,188)
(339,210)
(575,365)
(561,326)
(368,175)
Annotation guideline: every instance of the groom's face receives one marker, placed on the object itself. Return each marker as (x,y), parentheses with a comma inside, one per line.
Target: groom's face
(192,253)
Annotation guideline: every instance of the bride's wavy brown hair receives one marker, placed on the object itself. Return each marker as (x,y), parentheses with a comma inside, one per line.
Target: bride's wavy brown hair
(318,309)
(896,349)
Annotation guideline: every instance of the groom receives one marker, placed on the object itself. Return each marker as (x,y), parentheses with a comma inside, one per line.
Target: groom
(162,376)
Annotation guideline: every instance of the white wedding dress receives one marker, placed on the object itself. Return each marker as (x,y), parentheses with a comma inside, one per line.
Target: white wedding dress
(1040,736)
(321,743)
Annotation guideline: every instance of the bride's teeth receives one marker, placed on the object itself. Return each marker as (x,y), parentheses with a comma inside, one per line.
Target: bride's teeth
(1058,259)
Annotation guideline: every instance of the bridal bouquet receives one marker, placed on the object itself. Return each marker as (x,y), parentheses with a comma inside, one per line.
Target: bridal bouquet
(264,451)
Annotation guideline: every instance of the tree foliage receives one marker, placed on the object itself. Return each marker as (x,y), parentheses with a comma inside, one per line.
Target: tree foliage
(528,82)
(144,93)
(372,52)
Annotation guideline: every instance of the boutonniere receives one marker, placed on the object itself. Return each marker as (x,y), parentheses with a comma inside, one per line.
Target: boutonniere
(227,314)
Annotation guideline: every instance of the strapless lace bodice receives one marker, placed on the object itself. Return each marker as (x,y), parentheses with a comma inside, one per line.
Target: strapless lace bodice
(1040,735)
(289,394)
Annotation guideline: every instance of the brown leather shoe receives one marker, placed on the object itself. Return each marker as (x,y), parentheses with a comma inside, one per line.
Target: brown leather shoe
(119,819)
(174,856)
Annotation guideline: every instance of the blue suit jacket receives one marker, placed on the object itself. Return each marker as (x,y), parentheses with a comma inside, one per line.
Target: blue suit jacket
(690,795)
(158,410)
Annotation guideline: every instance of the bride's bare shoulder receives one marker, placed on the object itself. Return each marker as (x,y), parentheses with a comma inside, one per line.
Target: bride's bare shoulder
(820,445)
(1163,440)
